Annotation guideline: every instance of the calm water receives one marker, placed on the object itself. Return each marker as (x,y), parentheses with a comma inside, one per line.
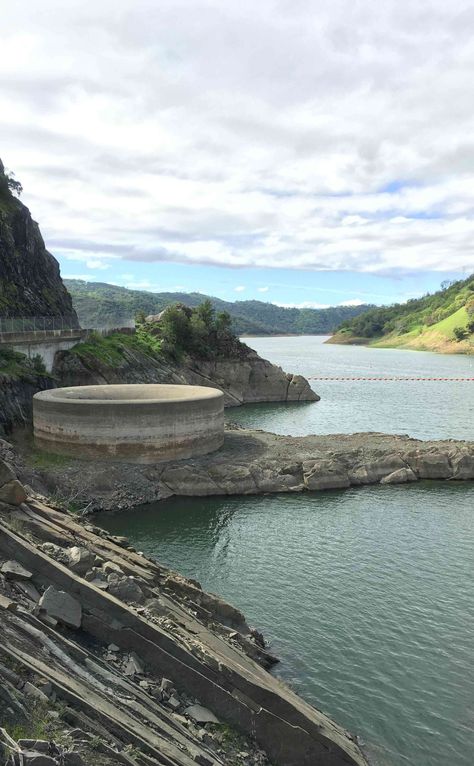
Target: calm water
(427,409)
(367,594)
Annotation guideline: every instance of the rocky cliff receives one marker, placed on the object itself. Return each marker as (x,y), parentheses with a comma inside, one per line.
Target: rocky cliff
(30,282)
(247,378)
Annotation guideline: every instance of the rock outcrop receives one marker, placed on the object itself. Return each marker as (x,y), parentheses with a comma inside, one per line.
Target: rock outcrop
(30,282)
(176,679)
(244,379)
(256,462)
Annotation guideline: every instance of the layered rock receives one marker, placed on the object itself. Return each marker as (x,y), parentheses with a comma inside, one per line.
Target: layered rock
(170,676)
(243,379)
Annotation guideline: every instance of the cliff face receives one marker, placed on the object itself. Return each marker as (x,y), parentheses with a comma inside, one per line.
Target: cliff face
(30,282)
(243,380)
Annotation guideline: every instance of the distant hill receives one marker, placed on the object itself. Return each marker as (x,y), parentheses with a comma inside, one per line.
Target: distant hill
(441,321)
(100,304)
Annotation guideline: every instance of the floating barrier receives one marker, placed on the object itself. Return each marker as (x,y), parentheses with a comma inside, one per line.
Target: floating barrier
(402,378)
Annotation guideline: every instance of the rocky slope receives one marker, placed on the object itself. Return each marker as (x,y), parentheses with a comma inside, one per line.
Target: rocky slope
(256,462)
(247,378)
(107,657)
(30,282)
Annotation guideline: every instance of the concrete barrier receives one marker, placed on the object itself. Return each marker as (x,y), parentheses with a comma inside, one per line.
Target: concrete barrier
(136,423)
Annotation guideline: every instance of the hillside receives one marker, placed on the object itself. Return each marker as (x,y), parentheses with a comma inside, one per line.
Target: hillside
(100,304)
(30,283)
(442,321)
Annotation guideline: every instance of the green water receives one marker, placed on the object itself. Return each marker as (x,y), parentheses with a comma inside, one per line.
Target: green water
(365,594)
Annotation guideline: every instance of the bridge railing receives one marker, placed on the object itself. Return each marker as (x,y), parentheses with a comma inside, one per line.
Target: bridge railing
(41,327)
(35,323)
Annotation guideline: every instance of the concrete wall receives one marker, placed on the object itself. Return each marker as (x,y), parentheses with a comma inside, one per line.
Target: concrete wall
(136,423)
(42,342)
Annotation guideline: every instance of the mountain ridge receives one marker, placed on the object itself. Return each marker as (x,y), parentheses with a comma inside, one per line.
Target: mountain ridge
(101,303)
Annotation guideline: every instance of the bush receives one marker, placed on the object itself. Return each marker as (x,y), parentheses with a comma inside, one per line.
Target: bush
(460,333)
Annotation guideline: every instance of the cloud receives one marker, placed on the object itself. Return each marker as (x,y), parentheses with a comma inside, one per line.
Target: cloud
(239,288)
(263,289)
(318,139)
(353,302)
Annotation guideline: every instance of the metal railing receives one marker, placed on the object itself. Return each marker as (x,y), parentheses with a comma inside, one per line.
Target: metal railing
(35,323)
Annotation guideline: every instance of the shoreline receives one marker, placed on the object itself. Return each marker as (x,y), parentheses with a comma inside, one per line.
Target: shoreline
(143,663)
(250,462)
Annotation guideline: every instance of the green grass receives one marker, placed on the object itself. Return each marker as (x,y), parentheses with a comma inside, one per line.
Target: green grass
(446,326)
(110,350)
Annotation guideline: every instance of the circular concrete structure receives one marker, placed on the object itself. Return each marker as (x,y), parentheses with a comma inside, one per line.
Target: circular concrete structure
(137,423)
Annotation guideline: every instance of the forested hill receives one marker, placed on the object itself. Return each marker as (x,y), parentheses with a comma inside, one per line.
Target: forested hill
(441,321)
(101,304)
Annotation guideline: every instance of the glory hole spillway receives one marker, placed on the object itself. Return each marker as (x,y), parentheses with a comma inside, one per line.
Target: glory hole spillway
(137,423)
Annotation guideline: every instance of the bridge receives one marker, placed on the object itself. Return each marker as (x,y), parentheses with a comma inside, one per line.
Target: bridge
(44,336)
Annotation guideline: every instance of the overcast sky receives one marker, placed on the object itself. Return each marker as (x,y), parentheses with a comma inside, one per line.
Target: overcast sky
(293,150)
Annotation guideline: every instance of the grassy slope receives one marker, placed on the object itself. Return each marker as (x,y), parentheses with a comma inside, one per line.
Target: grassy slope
(439,337)
(414,326)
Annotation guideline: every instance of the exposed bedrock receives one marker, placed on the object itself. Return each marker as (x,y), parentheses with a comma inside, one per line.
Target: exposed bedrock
(248,378)
(146,666)
(256,462)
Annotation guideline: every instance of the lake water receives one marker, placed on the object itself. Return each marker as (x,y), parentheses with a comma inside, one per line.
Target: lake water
(426,409)
(365,594)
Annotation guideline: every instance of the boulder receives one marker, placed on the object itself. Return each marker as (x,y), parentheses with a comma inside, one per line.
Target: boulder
(402,476)
(62,607)
(127,589)
(325,474)
(201,714)
(13,493)
(80,559)
(14,571)
(463,465)
(429,465)
(375,470)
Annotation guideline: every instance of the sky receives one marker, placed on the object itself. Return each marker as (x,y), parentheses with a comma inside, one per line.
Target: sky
(295,151)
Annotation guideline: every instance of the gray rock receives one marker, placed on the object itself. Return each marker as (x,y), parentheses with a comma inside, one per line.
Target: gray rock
(325,474)
(80,559)
(6,473)
(29,590)
(429,465)
(463,465)
(71,758)
(174,703)
(127,589)
(203,760)
(13,493)
(62,607)
(375,470)
(32,691)
(402,476)
(33,758)
(111,566)
(201,714)
(14,571)
(39,745)
(134,665)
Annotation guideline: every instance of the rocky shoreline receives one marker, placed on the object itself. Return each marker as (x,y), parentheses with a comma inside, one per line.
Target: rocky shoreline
(253,462)
(106,657)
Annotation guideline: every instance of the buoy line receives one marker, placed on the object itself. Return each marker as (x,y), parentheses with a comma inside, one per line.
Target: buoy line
(403,378)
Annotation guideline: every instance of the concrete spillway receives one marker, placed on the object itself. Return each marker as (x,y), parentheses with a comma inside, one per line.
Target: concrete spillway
(137,423)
